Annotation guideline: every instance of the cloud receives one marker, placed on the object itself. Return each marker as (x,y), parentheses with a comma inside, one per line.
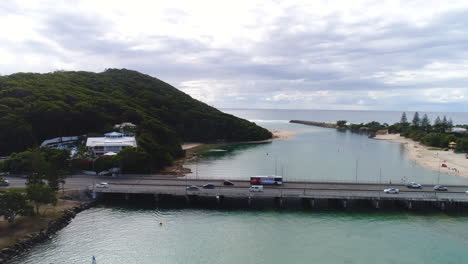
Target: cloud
(392,55)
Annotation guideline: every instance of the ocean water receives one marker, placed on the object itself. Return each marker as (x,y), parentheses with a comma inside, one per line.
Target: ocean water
(331,116)
(316,154)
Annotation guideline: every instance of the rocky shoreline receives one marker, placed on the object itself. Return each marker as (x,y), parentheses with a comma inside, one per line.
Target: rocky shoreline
(53,227)
(313,123)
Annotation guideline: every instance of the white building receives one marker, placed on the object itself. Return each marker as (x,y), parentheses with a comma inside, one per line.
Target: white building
(112,143)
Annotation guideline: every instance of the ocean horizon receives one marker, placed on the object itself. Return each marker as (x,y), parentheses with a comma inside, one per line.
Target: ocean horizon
(331,116)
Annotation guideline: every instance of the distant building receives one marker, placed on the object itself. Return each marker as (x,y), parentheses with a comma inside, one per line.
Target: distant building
(69,143)
(112,142)
(127,128)
(458,130)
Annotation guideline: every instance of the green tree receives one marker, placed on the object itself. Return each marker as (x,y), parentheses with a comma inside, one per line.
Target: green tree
(433,139)
(404,119)
(425,122)
(41,194)
(341,123)
(13,204)
(462,145)
(416,120)
(450,123)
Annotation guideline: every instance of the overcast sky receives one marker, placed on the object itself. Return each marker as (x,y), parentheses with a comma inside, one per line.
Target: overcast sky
(376,55)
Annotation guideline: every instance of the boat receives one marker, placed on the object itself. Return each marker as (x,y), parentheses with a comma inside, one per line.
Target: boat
(94,261)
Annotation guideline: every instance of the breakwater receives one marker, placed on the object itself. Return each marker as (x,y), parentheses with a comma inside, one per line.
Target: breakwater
(53,227)
(313,123)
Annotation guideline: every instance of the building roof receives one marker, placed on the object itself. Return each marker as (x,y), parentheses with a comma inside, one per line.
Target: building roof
(109,141)
(114,134)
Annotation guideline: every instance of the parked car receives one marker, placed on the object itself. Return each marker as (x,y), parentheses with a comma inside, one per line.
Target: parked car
(228,183)
(413,185)
(256,188)
(4,183)
(208,186)
(392,191)
(192,188)
(102,185)
(440,188)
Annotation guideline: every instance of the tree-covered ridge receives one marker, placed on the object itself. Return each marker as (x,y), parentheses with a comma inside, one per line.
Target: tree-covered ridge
(35,107)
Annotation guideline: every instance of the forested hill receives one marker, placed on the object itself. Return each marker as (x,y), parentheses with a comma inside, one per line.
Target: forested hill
(34,107)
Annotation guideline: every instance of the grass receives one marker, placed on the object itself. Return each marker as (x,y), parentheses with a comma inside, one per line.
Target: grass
(433,148)
(25,225)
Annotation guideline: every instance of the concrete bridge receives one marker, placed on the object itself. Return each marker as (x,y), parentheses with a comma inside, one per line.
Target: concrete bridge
(311,194)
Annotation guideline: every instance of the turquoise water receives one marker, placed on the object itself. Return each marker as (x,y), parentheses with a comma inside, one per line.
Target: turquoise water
(123,235)
(126,235)
(317,154)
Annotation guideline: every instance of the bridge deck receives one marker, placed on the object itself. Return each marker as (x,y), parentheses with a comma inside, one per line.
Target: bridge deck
(349,191)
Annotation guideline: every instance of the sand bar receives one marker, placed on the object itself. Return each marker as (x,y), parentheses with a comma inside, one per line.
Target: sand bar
(457,164)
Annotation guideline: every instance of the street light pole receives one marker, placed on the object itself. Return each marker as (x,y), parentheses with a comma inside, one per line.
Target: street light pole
(357,164)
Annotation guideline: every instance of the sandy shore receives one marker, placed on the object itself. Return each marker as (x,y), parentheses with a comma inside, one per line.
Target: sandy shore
(189,145)
(457,164)
(277,135)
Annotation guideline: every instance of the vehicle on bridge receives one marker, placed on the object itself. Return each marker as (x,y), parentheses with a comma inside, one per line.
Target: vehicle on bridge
(413,185)
(266,180)
(440,188)
(228,183)
(256,188)
(102,185)
(392,191)
(192,188)
(208,186)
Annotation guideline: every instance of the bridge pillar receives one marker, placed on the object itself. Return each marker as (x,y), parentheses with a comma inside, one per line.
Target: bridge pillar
(249,201)
(156,198)
(345,203)
(409,204)
(442,206)
(376,204)
(187,200)
(127,196)
(279,201)
(219,199)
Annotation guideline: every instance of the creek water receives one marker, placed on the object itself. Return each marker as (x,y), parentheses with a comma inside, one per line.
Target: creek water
(116,234)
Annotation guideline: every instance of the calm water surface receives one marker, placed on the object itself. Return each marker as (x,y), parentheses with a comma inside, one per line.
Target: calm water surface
(123,235)
(316,154)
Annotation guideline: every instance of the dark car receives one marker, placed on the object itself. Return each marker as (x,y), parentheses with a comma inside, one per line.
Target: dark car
(228,183)
(440,188)
(192,188)
(4,183)
(208,186)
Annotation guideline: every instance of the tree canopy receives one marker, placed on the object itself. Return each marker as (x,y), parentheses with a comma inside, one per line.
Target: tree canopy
(35,107)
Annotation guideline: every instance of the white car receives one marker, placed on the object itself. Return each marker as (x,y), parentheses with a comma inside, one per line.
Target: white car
(102,185)
(391,190)
(256,188)
(413,185)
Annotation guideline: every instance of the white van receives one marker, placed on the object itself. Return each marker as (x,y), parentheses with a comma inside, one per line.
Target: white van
(256,188)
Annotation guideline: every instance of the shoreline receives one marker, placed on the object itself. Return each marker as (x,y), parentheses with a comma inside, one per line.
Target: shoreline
(178,169)
(277,135)
(457,164)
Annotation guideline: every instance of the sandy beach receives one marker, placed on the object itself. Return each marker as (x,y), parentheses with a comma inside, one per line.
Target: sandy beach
(277,135)
(457,164)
